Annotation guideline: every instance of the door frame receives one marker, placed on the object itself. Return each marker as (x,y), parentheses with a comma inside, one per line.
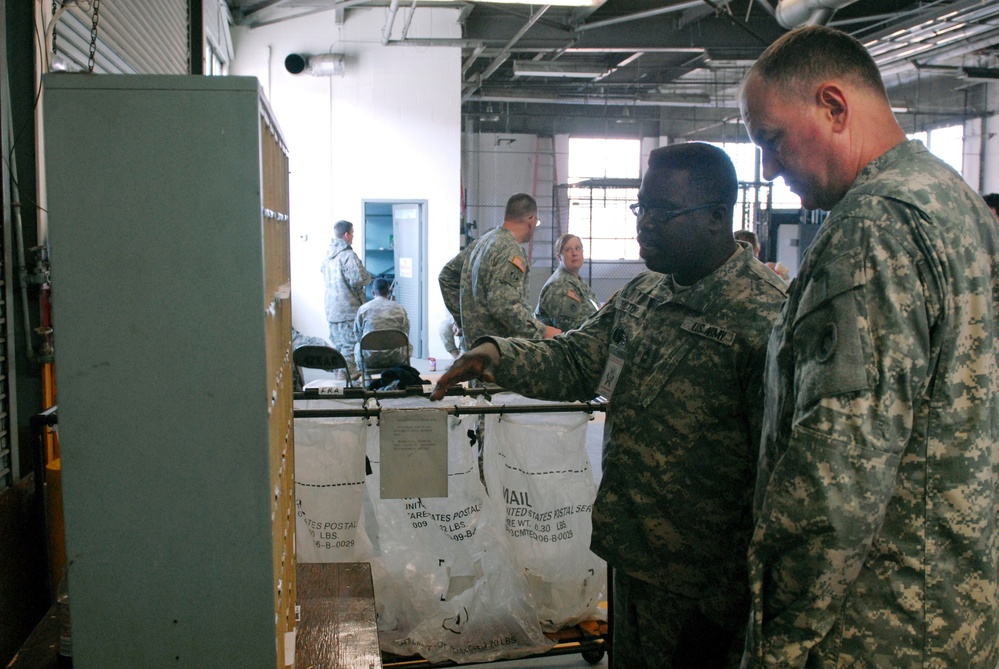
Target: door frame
(421,349)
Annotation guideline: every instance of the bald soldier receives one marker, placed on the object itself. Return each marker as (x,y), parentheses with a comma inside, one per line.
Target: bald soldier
(876,543)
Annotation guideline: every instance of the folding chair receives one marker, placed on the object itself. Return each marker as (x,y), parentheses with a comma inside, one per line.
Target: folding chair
(381,340)
(319,357)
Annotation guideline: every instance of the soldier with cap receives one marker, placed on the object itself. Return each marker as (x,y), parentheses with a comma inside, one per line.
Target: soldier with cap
(876,543)
(346,280)
(679,353)
(485,286)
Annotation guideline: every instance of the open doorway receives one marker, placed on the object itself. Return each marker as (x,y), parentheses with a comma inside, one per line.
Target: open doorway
(395,248)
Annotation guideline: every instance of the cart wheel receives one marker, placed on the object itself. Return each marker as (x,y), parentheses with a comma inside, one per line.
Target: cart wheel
(593,656)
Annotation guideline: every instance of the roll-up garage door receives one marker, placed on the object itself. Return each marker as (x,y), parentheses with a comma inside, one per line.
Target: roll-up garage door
(148,37)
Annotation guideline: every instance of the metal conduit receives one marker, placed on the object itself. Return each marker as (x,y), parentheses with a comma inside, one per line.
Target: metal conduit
(387,30)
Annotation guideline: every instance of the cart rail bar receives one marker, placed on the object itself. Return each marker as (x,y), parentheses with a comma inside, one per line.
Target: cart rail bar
(375,412)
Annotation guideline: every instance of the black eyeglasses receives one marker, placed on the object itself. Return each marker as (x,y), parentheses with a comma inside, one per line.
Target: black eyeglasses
(662,214)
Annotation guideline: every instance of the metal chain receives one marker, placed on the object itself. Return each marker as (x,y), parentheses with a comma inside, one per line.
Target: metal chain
(93,36)
(55,33)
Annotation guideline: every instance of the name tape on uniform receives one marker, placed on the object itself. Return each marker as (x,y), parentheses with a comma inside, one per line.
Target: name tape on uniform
(712,332)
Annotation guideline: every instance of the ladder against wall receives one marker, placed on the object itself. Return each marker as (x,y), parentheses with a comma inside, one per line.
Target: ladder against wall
(168,224)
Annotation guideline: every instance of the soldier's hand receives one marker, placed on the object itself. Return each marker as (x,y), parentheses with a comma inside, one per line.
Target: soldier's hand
(551,332)
(478,363)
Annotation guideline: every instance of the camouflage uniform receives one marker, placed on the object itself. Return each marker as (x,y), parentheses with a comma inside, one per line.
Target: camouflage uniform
(681,434)
(485,288)
(299,339)
(446,331)
(565,301)
(876,541)
(346,280)
(381,313)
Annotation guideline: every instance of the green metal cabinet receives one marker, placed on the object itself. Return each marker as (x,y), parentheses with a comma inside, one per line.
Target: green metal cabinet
(167,201)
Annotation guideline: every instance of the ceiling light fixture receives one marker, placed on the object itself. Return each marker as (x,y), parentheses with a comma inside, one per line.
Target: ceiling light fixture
(548,68)
(679,99)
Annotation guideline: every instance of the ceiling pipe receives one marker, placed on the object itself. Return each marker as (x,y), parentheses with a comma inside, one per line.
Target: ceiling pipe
(409,20)
(794,13)
(387,30)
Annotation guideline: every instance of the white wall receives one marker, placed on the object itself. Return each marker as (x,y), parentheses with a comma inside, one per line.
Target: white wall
(971,163)
(390,128)
(988,140)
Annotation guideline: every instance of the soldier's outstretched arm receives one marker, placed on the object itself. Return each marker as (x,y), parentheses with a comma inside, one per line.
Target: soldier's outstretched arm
(478,363)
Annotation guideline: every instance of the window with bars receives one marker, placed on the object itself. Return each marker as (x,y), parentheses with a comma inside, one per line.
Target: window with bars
(604,180)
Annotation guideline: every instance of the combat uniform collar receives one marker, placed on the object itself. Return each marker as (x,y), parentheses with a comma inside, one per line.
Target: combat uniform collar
(702,295)
(503,231)
(900,153)
(337,246)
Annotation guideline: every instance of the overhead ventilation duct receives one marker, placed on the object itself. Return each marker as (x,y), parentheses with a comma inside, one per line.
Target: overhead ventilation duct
(794,13)
(323,65)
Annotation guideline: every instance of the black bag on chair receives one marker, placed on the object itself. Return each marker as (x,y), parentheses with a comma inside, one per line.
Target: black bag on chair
(400,376)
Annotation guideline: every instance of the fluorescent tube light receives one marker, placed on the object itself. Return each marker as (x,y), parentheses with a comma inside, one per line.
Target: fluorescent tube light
(548,68)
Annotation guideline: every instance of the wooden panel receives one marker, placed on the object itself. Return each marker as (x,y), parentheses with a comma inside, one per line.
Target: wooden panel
(337,629)
(277,303)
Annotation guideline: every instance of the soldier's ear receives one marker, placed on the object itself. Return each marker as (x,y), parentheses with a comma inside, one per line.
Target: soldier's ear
(719,219)
(835,105)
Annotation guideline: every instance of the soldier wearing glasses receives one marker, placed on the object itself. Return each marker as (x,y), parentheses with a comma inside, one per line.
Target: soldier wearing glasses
(679,352)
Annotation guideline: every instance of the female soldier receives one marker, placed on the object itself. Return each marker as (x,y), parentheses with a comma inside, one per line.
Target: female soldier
(566,300)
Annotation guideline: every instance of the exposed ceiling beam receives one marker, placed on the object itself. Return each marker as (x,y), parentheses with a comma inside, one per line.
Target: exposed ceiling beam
(471,86)
(638,16)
